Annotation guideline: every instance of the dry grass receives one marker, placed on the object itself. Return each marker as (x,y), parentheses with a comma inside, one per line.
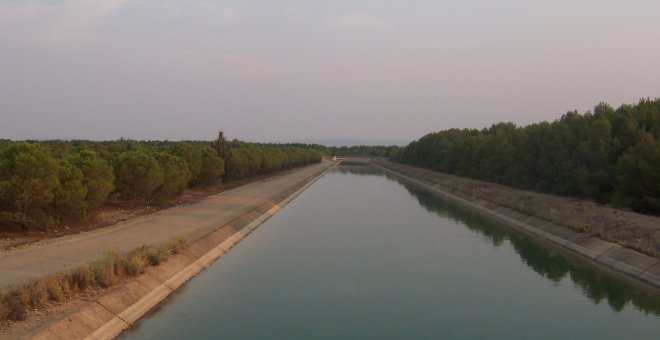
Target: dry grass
(105,272)
(4,309)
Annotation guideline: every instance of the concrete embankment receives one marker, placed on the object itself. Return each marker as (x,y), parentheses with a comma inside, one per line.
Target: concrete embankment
(112,313)
(640,266)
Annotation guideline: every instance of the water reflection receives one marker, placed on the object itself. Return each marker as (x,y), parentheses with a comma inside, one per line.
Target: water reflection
(555,265)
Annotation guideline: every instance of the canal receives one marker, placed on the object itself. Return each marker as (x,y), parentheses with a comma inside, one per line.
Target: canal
(362,254)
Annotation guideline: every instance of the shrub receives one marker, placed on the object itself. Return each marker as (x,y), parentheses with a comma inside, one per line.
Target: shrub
(108,269)
(16,302)
(80,278)
(577,224)
(58,281)
(134,264)
(36,292)
(4,309)
(176,245)
(155,255)
(55,290)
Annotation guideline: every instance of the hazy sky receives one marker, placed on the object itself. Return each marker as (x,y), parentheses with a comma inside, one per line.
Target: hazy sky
(299,70)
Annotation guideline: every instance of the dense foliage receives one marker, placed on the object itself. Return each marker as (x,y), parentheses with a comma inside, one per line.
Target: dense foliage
(50,182)
(611,156)
(250,159)
(363,150)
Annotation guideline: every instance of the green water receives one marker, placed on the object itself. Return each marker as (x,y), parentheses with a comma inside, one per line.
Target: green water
(365,255)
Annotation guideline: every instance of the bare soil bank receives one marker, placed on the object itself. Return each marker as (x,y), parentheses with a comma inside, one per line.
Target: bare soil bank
(602,234)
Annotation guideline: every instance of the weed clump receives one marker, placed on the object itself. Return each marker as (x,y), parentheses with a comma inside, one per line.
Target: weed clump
(155,255)
(57,287)
(104,272)
(16,303)
(36,293)
(135,263)
(176,245)
(108,269)
(4,309)
(80,278)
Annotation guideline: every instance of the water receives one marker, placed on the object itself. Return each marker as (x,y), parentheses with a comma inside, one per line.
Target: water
(365,255)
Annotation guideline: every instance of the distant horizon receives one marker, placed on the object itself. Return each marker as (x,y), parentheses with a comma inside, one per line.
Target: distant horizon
(324,142)
(328,142)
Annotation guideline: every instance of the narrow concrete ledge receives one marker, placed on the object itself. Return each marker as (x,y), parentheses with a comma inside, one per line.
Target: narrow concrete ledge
(590,247)
(106,331)
(627,261)
(135,311)
(624,260)
(652,274)
(124,305)
(133,291)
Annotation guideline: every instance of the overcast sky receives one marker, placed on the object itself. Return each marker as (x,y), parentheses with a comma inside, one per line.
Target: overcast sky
(303,70)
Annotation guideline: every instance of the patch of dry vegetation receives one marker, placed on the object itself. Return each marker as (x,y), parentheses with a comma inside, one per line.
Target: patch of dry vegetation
(105,272)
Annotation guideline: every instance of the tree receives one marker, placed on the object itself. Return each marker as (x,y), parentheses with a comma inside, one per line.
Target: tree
(254,157)
(193,157)
(273,159)
(638,181)
(69,197)
(213,167)
(28,180)
(222,147)
(176,174)
(237,167)
(137,176)
(98,177)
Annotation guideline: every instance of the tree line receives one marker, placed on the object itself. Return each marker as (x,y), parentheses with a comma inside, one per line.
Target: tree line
(43,183)
(251,159)
(362,150)
(608,155)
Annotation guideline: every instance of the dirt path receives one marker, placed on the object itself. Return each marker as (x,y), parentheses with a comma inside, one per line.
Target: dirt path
(192,221)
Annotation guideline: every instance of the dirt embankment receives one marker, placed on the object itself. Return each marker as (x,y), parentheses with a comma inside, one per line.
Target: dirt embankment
(626,228)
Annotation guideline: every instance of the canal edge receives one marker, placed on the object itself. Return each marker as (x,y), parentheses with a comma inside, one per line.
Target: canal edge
(618,258)
(109,315)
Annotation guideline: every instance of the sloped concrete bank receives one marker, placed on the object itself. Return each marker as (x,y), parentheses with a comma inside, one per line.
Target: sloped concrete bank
(640,266)
(111,314)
